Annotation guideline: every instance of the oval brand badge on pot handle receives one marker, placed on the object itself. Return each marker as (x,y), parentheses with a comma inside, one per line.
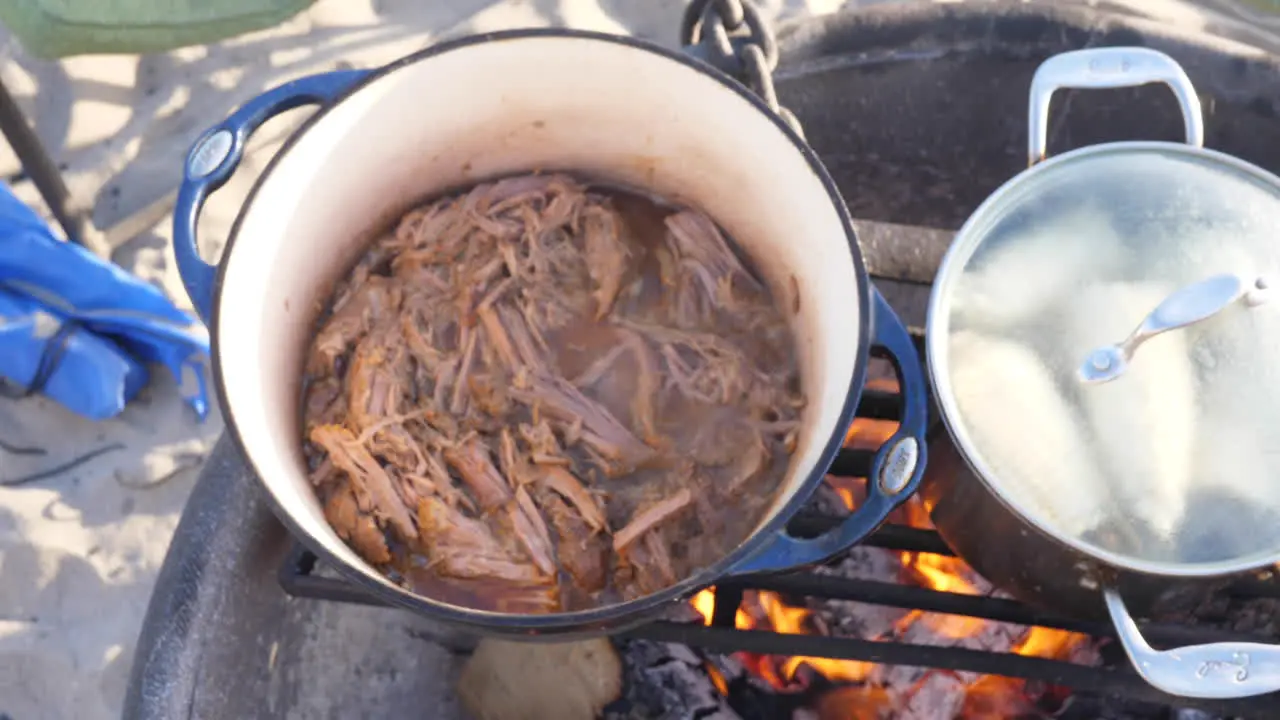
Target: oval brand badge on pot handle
(214,157)
(1111,67)
(896,469)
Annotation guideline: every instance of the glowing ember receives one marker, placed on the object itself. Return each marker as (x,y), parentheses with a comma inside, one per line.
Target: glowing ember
(717,678)
(996,698)
(846,495)
(863,701)
(865,689)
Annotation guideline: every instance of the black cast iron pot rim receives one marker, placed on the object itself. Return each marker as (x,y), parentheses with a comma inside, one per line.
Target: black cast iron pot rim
(609,617)
(971,235)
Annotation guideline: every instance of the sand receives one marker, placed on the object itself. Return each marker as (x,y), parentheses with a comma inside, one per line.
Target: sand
(79,551)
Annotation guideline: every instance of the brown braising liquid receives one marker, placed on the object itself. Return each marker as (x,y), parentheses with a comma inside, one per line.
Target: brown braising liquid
(628,331)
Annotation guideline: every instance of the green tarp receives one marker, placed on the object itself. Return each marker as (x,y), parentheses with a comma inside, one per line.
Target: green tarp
(58,28)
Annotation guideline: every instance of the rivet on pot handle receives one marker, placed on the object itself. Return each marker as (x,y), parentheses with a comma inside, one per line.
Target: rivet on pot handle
(1223,670)
(214,157)
(896,469)
(1110,67)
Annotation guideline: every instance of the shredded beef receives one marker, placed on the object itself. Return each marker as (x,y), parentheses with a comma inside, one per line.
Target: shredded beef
(542,395)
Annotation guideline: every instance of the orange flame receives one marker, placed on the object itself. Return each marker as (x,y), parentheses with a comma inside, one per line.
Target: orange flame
(705,603)
(994,698)
(866,434)
(1048,643)
(940,573)
(846,495)
(793,621)
(859,695)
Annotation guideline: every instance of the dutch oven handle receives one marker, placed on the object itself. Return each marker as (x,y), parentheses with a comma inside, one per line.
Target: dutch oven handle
(214,157)
(1107,67)
(896,469)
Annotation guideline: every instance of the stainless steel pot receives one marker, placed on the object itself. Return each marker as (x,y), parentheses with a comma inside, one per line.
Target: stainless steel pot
(1103,350)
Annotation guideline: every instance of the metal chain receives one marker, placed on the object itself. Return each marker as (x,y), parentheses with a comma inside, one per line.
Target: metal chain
(733,36)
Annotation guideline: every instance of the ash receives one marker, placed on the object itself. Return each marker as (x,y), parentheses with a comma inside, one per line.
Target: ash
(670,681)
(845,618)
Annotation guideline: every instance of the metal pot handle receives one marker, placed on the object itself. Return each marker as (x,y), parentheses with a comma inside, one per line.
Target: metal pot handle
(1108,67)
(896,469)
(1225,670)
(214,157)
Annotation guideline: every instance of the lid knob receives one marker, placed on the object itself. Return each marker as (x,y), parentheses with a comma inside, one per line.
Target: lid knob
(1104,359)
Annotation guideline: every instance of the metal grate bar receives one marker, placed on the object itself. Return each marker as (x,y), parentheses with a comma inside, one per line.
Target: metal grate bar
(879,405)
(1117,682)
(851,463)
(298,578)
(874,592)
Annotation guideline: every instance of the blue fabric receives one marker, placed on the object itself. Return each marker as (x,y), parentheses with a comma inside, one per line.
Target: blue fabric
(118,322)
(94,376)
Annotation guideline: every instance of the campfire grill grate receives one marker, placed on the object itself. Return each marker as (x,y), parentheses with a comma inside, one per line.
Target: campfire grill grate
(298,577)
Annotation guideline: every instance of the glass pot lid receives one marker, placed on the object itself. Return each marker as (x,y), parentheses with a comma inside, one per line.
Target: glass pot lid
(1108,357)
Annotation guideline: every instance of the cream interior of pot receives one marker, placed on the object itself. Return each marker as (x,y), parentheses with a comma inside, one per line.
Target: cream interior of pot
(1174,466)
(604,108)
